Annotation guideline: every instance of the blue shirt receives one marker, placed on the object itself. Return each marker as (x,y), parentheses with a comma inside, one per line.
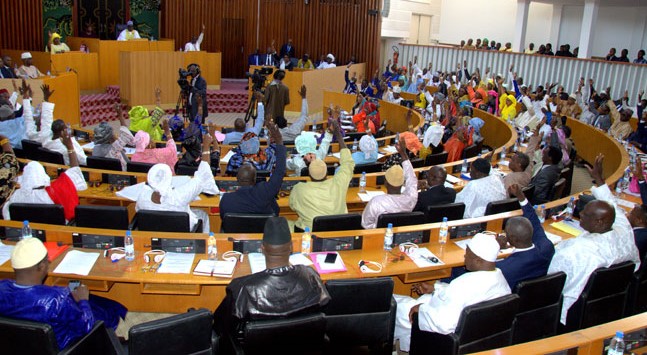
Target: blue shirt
(237,136)
(360,159)
(14,130)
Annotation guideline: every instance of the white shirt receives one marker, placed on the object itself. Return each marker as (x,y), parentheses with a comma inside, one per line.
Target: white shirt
(190,47)
(439,312)
(180,198)
(404,202)
(326,65)
(478,193)
(291,132)
(579,257)
(123,37)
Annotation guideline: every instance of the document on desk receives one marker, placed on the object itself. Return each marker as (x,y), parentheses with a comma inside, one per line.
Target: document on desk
(571,227)
(390,149)
(256,262)
(77,262)
(625,203)
(5,253)
(554,238)
(176,263)
(452,179)
(227,156)
(365,197)
(423,257)
(300,259)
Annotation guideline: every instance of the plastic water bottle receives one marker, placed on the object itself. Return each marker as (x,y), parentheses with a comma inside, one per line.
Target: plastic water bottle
(26,230)
(515,147)
(464,167)
(314,125)
(503,153)
(362,183)
(388,237)
(444,230)
(355,145)
(397,137)
(129,246)
(212,248)
(306,242)
(619,186)
(49,73)
(539,210)
(617,346)
(626,178)
(570,207)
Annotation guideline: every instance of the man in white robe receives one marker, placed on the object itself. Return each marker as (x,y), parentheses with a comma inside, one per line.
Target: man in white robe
(481,190)
(439,307)
(194,44)
(160,195)
(608,239)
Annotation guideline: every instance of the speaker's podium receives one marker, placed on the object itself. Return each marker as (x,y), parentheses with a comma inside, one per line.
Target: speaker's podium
(142,72)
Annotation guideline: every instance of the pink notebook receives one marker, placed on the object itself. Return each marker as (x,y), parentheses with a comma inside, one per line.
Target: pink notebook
(327,268)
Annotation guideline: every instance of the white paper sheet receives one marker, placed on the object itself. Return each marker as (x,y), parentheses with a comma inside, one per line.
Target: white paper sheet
(176,263)
(77,262)
(390,149)
(256,262)
(554,238)
(300,259)
(625,203)
(365,197)
(5,253)
(452,179)
(89,146)
(504,162)
(423,258)
(227,156)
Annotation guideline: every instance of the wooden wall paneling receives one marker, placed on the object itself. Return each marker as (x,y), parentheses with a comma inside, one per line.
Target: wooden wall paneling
(21,26)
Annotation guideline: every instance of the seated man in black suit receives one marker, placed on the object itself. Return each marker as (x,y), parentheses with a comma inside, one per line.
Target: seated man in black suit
(253,197)
(638,215)
(281,290)
(547,177)
(436,193)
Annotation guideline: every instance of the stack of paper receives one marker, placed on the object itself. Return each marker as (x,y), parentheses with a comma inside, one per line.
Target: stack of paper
(77,262)
(5,253)
(299,259)
(221,268)
(571,227)
(425,258)
(365,197)
(176,263)
(256,262)
(225,159)
(452,179)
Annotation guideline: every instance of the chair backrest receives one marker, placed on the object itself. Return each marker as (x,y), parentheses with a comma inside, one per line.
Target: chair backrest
(106,217)
(567,173)
(368,168)
(277,335)
(637,300)
(99,341)
(558,189)
(400,219)
(337,222)
(48,156)
(507,205)
(37,213)
(244,222)
(26,337)
(498,314)
(436,159)
(603,299)
(529,192)
(360,312)
(471,151)
(163,221)
(104,163)
(539,307)
(417,163)
(187,333)
(453,211)
(138,167)
(30,149)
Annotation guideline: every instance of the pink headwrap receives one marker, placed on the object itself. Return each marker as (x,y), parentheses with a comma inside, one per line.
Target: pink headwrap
(141,141)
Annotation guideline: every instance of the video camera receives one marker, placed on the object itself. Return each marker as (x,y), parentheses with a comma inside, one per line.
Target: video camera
(183,82)
(259,77)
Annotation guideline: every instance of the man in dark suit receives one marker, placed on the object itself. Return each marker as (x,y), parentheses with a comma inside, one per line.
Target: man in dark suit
(269,59)
(546,178)
(198,88)
(638,215)
(533,251)
(255,58)
(6,71)
(437,193)
(288,49)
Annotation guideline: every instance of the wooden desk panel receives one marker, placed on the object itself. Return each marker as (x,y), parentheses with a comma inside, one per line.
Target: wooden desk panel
(40,59)
(85,64)
(210,65)
(109,58)
(143,72)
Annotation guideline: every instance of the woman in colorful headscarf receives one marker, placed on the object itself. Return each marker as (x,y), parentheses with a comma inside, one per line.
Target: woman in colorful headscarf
(160,195)
(508,107)
(107,145)
(367,153)
(141,121)
(455,145)
(478,97)
(370,115)
(413,147)
(249,150)
(145,151)
(55,45)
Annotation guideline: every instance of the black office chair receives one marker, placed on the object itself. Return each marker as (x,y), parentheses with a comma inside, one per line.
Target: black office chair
(529,192)
(244,222)
(138,167)
(637,296)
(186,333)
(507,205)
(482,326)
(471,151)
(400,219)
(453,211)
(27,337)
(275,336)
(181,169)
(368,168)
(48,156)
(37,213)
(337,222)
(540,307)
(30,149)
(106,217)
(558,189)
(417,163)
(603,299)
(164,221)
(361,312)
(104,163)
(436,159)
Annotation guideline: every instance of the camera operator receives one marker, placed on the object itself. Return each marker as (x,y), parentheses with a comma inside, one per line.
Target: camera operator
(198,87)
(277,96)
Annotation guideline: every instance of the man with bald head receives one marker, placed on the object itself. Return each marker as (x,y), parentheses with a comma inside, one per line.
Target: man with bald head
(253,197)
(436,193)
(240,128)
(607,240)
(532,249)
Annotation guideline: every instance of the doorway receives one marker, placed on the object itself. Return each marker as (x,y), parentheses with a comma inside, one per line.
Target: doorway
(105,18)
(234,61)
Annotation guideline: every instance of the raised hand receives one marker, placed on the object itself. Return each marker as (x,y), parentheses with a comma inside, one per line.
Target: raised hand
(47,93)
(516,191)
(596,172)
(274,133)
